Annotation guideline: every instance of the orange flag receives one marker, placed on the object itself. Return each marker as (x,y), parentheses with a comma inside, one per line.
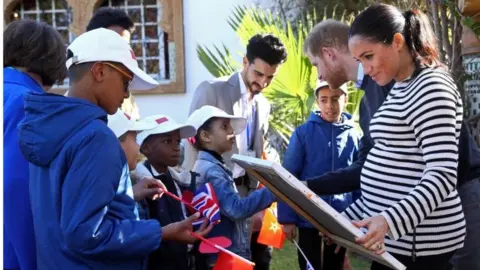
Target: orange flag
(271,233)
(226,261)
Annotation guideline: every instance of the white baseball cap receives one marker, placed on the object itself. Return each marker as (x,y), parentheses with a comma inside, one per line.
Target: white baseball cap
(200,116)
(164,124)
(321,84)
(106,45)
(120,123)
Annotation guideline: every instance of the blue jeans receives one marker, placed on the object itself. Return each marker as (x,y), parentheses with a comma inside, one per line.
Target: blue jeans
(468,257)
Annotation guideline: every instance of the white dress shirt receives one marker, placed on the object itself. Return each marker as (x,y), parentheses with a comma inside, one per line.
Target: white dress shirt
(246,110)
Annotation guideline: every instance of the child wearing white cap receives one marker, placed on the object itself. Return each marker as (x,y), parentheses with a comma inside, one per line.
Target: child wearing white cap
(215,136)
(126,130)
(161,147)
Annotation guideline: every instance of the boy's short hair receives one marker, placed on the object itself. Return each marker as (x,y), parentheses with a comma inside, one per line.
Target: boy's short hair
(327,34)
(266,47)
(36,46)
(323,84)
(106,17)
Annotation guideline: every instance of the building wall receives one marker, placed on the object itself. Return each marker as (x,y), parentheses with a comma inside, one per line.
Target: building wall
(205,23)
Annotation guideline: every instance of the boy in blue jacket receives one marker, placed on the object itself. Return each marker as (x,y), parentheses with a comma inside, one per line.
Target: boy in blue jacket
(326,142)
(84,215)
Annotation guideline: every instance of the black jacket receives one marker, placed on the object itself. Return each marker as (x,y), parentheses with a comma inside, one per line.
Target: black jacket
(171,255)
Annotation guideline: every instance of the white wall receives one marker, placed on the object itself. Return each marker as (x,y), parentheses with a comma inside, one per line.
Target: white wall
(205,23)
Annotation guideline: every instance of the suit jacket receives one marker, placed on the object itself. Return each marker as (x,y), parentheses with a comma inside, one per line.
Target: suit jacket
(225,94)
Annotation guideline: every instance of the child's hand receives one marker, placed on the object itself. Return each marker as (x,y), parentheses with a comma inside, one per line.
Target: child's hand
(180,231)
(148,187)
(290,231)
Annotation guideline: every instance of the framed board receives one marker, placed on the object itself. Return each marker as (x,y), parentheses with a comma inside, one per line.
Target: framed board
(310,206)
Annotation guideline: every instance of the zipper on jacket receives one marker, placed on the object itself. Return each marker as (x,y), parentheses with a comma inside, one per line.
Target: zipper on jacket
(333,149)
(414,253)
(332,145)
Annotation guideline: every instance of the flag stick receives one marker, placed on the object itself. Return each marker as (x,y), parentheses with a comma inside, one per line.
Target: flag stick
(301,251)
(179,199)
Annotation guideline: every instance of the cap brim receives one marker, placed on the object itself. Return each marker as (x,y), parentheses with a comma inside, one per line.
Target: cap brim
(141,80)
(187,131)
(238,124)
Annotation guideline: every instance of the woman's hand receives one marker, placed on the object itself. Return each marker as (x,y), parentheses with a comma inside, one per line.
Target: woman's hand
(374,240)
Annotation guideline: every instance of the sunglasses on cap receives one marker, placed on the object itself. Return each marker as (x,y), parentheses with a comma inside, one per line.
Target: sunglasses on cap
(127,83)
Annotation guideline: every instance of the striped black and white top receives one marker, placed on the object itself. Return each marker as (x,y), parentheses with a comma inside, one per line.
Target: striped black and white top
(410,174)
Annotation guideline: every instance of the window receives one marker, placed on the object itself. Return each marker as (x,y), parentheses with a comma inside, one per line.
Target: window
(157,39)
(149,41)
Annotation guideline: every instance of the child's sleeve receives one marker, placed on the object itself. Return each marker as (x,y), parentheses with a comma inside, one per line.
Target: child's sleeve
(89,188)
(292,162)
(294,156)
(231,204)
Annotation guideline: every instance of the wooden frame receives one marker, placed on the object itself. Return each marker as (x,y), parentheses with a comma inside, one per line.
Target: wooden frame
(171,23)
(311,207)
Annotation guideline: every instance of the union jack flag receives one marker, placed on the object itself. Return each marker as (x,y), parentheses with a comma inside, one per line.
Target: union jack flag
(205,201)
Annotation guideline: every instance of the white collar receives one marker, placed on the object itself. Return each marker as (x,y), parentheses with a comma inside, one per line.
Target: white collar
(183,177)
(154,172)
(243,87)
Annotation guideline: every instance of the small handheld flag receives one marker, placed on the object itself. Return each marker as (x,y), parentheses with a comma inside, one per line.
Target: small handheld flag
(205,201)
(271,233)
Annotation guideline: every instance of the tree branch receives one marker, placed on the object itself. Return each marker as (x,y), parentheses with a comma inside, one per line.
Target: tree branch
(437,28)
(446,42)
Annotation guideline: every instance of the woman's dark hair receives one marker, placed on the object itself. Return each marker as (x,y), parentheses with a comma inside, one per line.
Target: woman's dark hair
(207,126)
(380,22)
(266,47)
(36,46)
(105,17)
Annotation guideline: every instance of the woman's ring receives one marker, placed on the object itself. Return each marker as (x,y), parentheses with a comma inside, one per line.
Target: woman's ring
(379,246)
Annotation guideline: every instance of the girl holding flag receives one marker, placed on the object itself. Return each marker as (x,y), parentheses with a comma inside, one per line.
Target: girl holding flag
(215,136)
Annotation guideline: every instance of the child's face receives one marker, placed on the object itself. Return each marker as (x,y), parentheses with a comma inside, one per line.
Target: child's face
(221,136)
(131,149)
(163,149)
(331,104)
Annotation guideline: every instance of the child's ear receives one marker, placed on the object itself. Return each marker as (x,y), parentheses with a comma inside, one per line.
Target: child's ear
(145,149)
(205,136)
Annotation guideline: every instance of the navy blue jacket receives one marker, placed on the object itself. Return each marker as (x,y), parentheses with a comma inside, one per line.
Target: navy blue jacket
(315,148)
(80,189)
(19,237)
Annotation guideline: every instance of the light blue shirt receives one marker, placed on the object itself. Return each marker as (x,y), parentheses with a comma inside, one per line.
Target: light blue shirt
(360,75)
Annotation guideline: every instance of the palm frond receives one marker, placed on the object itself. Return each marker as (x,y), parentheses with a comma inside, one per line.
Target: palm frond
(291,92)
